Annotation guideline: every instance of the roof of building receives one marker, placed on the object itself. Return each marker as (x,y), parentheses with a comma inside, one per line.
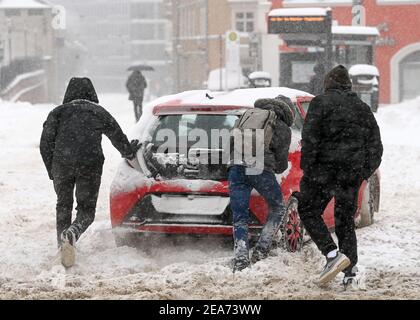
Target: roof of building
(23,4)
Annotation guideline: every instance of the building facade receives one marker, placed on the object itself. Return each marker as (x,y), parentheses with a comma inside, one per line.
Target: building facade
(118,34)
(398,49)
(27,50)
(199,31)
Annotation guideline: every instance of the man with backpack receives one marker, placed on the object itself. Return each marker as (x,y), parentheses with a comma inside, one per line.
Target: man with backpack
(274,117)
(341,147)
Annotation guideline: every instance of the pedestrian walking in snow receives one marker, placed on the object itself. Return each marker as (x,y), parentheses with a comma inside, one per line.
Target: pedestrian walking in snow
(316,84)
(136,84)
(242,181)
(71,150)
(341,147)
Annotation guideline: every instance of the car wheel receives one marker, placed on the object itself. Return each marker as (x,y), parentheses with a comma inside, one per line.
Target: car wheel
(367,209)
(290,235)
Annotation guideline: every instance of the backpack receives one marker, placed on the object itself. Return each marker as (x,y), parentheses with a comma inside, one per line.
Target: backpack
(254,119)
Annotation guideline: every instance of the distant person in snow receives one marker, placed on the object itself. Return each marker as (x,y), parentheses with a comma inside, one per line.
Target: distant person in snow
(136,84)
(72,153)
(341,147)
(242,181)
(316,84)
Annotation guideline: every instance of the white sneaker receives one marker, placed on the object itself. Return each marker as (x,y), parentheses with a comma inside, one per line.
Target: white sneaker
(355,281)
(67,249)
(333,267)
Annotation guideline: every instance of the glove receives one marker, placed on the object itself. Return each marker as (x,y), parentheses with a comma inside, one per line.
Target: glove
(135,145)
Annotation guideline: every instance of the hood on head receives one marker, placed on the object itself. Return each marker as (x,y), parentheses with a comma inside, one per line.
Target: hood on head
(281,105)
(80,88)
(338,78)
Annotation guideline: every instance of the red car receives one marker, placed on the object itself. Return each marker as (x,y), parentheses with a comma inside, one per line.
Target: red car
(192,198)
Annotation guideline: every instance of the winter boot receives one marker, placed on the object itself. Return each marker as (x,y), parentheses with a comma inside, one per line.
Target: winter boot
(258,255)
(240,264)
(67,250)
(333,266)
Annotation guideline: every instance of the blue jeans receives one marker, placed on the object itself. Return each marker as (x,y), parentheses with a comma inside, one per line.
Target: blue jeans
(241,185)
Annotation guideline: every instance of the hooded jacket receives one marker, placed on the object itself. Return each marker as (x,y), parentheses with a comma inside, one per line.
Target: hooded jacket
(72,133)
(340,130)
(276,158)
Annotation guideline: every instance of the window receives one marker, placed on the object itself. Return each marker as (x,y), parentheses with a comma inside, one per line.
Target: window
(145,10)
(244,21)
(35,12)
(148,31)
(152,51)
(12,12)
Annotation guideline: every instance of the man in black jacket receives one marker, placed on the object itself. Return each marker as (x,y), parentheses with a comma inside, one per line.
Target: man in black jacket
(136,84)
(71,150)
(316,84)
(241,185)
(341,147)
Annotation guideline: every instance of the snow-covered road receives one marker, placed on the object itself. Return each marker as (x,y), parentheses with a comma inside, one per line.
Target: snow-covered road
(389,249)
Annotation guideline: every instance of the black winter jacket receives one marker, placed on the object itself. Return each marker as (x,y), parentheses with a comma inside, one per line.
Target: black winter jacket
(136,84)
(340,130)
(72,133)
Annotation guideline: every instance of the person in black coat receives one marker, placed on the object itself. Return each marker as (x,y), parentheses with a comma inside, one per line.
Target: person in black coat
(136,84)
(241,184)
(341,147)
(71,150)
(316,84)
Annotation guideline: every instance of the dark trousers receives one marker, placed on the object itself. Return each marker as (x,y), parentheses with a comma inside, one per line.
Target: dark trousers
(315,194)
(240,187)
(138,107)
(86,181)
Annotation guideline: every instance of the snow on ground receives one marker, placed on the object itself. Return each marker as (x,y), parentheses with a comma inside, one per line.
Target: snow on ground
(389,249)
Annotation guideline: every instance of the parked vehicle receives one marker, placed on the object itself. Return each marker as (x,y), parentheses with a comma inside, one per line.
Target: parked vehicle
(191,196)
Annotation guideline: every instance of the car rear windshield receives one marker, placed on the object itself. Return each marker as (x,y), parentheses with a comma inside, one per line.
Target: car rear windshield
(184,125)
(193,146)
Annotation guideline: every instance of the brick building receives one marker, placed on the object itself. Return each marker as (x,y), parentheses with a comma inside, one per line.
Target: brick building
(199,28)
(398,50)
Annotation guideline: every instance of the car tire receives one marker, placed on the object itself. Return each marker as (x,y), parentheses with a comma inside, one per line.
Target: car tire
(370,203)
(290,235)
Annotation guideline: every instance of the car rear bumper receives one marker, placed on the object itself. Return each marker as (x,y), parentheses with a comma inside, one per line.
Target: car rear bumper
(192,229)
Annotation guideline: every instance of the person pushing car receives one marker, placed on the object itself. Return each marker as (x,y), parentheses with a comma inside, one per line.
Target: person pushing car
(341,147)
(71,149)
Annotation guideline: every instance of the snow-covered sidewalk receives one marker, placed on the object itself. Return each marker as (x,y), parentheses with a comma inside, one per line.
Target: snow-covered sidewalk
(389,249)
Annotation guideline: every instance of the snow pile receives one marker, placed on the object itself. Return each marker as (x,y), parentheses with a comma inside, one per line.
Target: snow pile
(191,269)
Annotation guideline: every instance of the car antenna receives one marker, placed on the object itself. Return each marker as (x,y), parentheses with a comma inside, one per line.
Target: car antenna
(209,96)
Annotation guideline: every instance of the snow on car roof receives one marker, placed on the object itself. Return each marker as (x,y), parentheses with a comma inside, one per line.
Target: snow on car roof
(239,97)
(361,30)
(363,69)
(299,12)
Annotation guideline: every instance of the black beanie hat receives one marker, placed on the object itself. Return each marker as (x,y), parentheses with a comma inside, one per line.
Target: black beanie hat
(338,78)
